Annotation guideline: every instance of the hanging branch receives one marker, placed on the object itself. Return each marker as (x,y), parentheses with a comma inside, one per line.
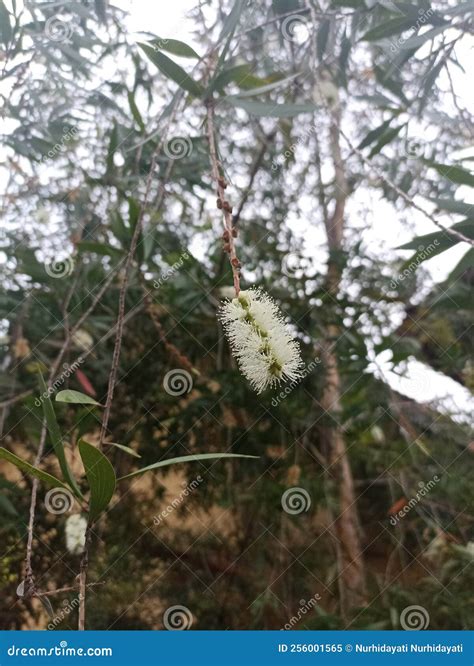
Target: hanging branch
(230,231)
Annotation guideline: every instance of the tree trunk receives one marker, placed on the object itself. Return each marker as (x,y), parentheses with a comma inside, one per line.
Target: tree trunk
(351,575)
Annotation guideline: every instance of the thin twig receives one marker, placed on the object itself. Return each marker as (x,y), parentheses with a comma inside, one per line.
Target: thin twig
(222,203)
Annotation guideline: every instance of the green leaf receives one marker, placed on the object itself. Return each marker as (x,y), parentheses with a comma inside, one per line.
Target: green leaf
(127,449)
(76,398)
(442,240)
(175,47)
(268,87)
(466,262)
(113,143)
(418,40)
(374,134)
(231,21)
(55,436)
(100,476)
(135,112)
(392,27)
(455,174)
(25,466)
(386,137)
(171,70)
(270,109)
(322,38)
(454,206)
(184,459)
(5,25)
(99,248)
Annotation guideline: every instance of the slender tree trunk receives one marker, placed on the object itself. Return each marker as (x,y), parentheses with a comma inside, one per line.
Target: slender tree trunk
(351,575)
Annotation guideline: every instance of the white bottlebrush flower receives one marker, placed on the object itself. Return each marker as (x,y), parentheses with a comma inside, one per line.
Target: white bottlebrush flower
(264,349)
(75,531)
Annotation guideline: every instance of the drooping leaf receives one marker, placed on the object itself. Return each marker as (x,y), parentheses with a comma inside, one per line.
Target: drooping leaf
(75,398)
(388,28)
(465,263)
(135,112)
(171,70)
(374,134)
(386,138)
(55,436)
(454,206)
(5,25)
(184,459)
(100,476)
(175,47)
(322,37)
(454,173)
(127,449)
(440,240)
(25,466)
(270,109)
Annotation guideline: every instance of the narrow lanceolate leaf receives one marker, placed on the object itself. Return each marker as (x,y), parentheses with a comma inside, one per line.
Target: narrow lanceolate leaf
(100,476)
(270,109)
(454,206)
(175,47)
(184,459)
(75,398)
(25,466)
(171,70)
(440,240)
(127,449)
(454,173)
(55,436)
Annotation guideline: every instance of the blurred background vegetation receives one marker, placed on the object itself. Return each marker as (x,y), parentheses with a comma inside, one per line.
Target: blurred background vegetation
(343,119)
